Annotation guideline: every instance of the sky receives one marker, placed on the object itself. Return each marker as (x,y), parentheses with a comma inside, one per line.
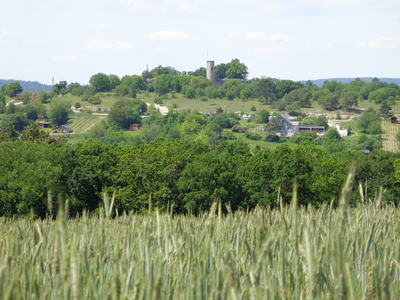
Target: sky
(287,39)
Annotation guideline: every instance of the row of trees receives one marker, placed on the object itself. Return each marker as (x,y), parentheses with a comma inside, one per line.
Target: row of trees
(189,175)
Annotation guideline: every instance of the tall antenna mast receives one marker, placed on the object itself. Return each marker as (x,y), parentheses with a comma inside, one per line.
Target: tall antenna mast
(52,81)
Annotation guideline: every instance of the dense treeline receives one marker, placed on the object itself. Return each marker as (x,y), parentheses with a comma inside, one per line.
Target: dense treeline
(188,175)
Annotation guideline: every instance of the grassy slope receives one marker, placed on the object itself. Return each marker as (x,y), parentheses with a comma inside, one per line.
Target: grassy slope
(237,105)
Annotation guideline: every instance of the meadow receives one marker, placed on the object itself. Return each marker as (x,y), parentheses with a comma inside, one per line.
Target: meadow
(333,252)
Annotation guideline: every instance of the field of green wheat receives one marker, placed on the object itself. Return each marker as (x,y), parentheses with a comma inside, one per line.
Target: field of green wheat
(287,253)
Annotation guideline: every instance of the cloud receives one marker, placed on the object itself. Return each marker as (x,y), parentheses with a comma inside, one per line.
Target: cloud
(256,36)
(100,45)
(232,36)
(307,47)
(383,42)
(4,33)
(122,46)
(347,2)
(261,37)
(170,36)
(180,6)
(159,50)
(136,6)
(101,27)
(269,50)
(65,58)
(327,46)
(281,38)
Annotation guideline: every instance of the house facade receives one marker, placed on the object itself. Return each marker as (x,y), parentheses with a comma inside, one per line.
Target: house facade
(289,126)
(64,129)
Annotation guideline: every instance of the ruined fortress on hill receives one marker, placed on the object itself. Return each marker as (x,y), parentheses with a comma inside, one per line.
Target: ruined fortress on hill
(210,75)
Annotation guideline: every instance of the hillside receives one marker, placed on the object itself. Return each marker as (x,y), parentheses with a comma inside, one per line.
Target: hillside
(29,86)
(320,82)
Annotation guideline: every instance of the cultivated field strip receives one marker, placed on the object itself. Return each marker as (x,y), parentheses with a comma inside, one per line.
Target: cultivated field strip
(290,253)
(389,131)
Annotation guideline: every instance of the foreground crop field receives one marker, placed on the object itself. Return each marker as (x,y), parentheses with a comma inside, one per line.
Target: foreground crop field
(264,254)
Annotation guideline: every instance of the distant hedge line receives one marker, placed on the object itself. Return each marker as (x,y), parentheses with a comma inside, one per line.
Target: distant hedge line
(187,175)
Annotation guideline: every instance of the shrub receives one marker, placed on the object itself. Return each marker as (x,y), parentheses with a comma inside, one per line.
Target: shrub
(253,108)
(77,104)
(227,135)
(239,128)
(204,99)
(230,95)
(94,100)
(173,94)
(253,136)
(272,138)
(158,100)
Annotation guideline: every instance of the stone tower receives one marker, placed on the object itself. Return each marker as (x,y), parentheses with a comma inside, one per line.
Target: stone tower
(210,71)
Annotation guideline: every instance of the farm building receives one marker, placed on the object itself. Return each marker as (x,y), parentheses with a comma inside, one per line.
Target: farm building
(43,124)
(393,120)
(290,126)
(134,127)
(64,129)
(338,126)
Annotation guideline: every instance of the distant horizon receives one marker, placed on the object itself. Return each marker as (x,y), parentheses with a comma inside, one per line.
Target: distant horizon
(302,80)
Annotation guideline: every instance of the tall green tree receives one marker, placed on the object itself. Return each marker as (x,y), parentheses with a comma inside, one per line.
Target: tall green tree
(100,82)
(161,84)
(59,112)
(125,112)
(237,70)
(11,89)
(348,100)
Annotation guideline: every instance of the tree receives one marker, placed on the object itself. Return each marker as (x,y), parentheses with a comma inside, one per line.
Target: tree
(58,113)
(333,141)
(199,72)
(264,116)
(378,96)
(114,81)
(322,121)
(61,85)
(190,92)
(31,112)
(11,89)
(100,82)
(161,85)
(245,93)
(370,122)
(125,112)
(348,100)
(286,86)
(237,70)
(25,97)
(330,101)
(17,120)
(265,87)
(11,109)
(220,71)
(384,109)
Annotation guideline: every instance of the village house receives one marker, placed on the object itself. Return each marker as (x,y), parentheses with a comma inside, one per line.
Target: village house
(289,126)
(134,127)
(64,129)
(338,126)
(43,124)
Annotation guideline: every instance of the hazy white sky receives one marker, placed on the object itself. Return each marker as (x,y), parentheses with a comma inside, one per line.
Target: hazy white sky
(288,39)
